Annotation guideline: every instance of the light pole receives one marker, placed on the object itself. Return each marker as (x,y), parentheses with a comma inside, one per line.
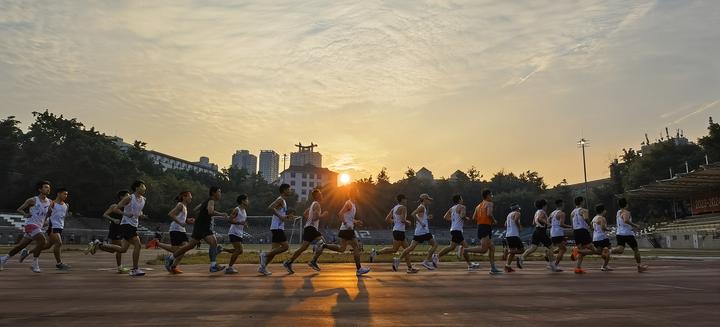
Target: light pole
(582,144)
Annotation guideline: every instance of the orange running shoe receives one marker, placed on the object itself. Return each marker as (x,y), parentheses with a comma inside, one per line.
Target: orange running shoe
(574,254)
(580,271)
(176,271)
(151,244)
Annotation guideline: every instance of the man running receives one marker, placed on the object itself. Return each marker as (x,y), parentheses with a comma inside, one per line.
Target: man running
(279,242)
(132,207)
(114,215)
(484,217)
(238,221)
(581,233)
(512,237)
(626,236)
(540,236)
(457,215)
(202,231)
(57,213)
(178,233)
(398,217)
(422,234)
(600,239)
(310,233)
(557,233)
(36,215)
(347,234)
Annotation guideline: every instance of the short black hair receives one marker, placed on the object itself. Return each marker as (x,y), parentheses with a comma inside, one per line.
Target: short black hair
(136,184)
(284,187)
(579,200)
(213,190)
(315,193)
(60,190)
(599,208)
(486,193)
(241,198)
(42,183)
(559,202)
(539,204)
(622,203)
(400,197)
(456,198)
(122,193)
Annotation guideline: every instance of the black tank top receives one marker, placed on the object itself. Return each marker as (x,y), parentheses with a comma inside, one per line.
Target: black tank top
(115,215)
(203,217)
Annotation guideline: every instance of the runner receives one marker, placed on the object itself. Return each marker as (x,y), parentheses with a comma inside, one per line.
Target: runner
(485,219)
(347,234)
(114,215)
(36,215)
(457,215)
(178,233)
(132,207)
(540,236)
(581,233)
(398,217)
(557,233)
(202,231)
(310,233)
(238,221)
(422,234)
(281,214)
(625,234)
(600,239)
(57,213)
(512,237)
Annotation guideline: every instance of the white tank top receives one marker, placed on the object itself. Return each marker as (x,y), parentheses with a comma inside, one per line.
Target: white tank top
(132,211)
(536,219)
(38,212)
(313,220)
(556,229)
(578,221)
(623,228)
(398,221)
(278,223)
(238,230)
(348,219)
(422,227)
(598,232)
(57,218)
(182,217)
(456,222)
(511,226)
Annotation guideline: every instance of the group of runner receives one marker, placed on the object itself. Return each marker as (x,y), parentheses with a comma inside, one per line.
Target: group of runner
(45,223)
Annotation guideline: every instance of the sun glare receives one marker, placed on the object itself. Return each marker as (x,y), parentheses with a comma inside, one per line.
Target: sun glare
(344,179)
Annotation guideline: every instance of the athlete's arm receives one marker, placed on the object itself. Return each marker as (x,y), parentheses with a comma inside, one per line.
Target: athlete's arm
(107,213)
(403,214)
(627,219)
(389,217)
(448,214)
(490,213)
(275,209)
(562,218)
(212,212)
(516,220)
(233,216)
(174,213)
(463,213)
(345,209)
(27,204)
(418,214)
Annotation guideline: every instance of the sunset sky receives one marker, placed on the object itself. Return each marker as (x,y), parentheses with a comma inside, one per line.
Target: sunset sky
(442,84)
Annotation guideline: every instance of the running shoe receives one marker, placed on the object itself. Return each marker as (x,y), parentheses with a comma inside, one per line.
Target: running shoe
(412,270)
(580,271)
(473,266)
(24,254)
(216,268)
(123,270)
(606,269)
(362,271)
(3,261)
(395,264)
(373,254)
(94,247)
(230,271)
(168,261)
(495,271)
(428,265)
(264,271)
(176,271)
(519,262)
(288,266)
(62,267)
(642,268)
(435,260)
(137,272)
(263,259)
(35,267)
(509,269)
(151,244)
(314,265)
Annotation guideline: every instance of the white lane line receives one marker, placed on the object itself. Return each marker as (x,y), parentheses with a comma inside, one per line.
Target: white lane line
(678,287)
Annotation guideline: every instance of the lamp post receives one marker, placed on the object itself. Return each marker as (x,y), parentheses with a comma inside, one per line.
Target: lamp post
(582,144)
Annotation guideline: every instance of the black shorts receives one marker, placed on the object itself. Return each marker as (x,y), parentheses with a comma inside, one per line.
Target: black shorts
(422,238)
(201,232)
(398,236)
(178,238)
(582,237)
(514,242)
(347,234)
(54,230)
(235,238)
(484,231)
(602,244)
(278,236)
(114,232)
(310,233)
(127,232)
(540,236)
(627,239)
(456,236)
(557,240)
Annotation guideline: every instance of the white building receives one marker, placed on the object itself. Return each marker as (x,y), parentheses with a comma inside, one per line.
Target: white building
(170,162)
(269,165)
(303,179)
(306,155)
(242,159)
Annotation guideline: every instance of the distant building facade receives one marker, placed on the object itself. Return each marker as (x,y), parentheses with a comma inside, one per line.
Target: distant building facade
(306,155)
(303,179)
(424,174)
(269,165)
(243,159)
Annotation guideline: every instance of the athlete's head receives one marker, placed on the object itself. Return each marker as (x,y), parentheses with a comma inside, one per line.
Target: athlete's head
(43,187)
(487,195)
(559,203)
(122,194)
(184,197)
(215,193)
(540,204)
(317,195)
(457,199)
(579,201)
(600,210)
(622,203)
(61,194)
(515,207)
(285,189)
(242,200)
(401,199)
(138,187)
(425,199)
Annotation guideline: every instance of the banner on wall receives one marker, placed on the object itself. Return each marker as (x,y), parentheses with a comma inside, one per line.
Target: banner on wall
(706,205)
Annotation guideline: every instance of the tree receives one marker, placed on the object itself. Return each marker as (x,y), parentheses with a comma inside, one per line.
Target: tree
(410,173)
(10,136)
(382,177)
(711,142)
(473,174)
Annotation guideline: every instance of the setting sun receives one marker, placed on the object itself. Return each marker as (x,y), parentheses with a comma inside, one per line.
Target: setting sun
(344,179)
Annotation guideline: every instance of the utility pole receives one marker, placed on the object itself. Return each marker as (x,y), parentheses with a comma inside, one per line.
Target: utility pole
(582,144)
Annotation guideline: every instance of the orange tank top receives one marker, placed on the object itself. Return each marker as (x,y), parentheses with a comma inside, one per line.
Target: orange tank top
(481,215)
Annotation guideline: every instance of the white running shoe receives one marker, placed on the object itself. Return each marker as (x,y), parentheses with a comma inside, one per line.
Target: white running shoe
(362,271)
(395,264)
(264,271)
(428,265)
(435,260)
(373,254)
(3,260)
(606,269)
(412,270)
(35,268)
(24,254)
(137,272)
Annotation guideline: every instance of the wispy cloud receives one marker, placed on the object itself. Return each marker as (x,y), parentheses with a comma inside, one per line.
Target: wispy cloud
(698,110)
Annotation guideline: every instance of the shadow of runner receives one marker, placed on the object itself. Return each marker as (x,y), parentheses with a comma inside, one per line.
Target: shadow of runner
(353,312)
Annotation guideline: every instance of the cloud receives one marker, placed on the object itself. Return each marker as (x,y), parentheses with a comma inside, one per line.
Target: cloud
(699,110)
